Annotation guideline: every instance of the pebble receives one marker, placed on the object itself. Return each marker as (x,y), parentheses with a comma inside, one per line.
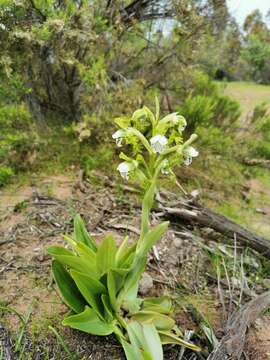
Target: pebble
(146,284)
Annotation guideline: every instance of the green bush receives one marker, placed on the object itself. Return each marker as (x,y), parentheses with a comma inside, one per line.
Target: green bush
(17,137)
(5,174)
(260,130)
(199,110)
(216,141)
(206,106)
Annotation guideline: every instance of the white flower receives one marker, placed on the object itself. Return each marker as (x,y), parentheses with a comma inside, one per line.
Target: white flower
(124,168)
(189,153)
(158,143)
(118,136)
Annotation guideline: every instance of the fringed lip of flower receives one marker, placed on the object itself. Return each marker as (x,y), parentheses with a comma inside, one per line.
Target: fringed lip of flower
(158,143)
(189,153)
(118,136)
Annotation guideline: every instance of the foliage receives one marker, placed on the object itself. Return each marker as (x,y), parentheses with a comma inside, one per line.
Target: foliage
(260,128)
(100,282)
(205,106)
(257,55)
(17,140)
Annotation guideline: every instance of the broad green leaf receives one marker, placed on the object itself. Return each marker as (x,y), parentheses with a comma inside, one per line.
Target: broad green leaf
(129,292)
(146,338)
(91,289)
(160,321)
(81,234)
(119,277)
(151,238)
(112,289)
(76,263)
(59,250)
(135,334)
(106,255)
(107,306)
(127,258)
(132,352)
(121,251)
(162,305)
(167,337)
(67,287)
(89,322)
(153,344)
(86,252)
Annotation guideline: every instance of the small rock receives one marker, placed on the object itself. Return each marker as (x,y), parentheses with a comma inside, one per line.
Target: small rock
(146,284)
(178,243)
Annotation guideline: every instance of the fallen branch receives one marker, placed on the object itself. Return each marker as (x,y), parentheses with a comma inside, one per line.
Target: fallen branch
(195,213)
(232,344)
(258,162)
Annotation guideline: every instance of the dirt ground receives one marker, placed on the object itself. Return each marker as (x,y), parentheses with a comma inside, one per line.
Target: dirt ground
(34,217)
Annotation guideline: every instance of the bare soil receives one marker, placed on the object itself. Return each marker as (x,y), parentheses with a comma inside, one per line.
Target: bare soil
(34,217)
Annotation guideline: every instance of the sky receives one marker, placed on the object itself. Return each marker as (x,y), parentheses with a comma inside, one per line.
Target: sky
(241,8)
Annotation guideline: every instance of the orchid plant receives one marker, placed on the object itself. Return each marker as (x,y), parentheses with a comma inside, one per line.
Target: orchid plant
(99,282)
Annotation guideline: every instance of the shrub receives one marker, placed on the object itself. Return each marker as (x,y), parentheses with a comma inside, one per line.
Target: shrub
(205,106)
(17,137)
(5,174)
(259,130)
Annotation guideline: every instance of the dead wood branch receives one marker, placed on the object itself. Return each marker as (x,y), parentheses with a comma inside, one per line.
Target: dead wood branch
(258,162)
(232,344)
(195,213)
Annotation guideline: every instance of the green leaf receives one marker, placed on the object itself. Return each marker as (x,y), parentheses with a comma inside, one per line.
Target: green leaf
(106,255)
(125,259)
(129,292)
(122,249)
(59,250)
(81,234)
(132,352)
(153,344)
(91,289)
(135,334)
(162,305)
(76,263)
(169,338)
(67,287)
(86,252)
(89,322)
(160,321)
(112,290)
(146,338)
(119,277)
(151,238)
(107,306)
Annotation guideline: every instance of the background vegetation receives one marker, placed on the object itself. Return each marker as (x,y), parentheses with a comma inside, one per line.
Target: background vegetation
(67,68)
